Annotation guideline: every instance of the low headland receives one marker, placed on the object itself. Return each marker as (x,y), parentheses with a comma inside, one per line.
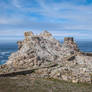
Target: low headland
(42,56)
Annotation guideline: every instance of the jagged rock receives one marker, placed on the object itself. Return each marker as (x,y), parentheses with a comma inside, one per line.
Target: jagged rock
(69,39)
(39,51)
(20,44)
(45,34)
(29,34)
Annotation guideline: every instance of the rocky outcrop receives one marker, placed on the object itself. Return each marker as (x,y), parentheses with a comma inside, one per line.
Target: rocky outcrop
(20,44)
(46,34)
(49,58)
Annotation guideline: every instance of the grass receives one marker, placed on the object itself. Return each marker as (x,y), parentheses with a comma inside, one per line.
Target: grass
(26,84)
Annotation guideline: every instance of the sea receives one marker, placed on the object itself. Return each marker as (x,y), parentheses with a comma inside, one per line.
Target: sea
(6,48)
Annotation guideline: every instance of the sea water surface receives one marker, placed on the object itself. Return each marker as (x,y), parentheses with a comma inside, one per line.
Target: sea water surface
(6,48)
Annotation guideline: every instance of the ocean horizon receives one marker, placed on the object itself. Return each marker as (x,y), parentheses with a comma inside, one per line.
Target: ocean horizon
(6,48)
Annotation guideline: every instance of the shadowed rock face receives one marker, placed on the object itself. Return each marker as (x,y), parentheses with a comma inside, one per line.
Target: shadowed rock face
(20,44)
(69,39)
(42,51)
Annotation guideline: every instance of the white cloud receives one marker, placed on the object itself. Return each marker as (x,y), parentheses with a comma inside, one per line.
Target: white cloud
(57,17)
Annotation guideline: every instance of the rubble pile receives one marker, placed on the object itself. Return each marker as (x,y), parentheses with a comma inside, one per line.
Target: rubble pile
(43,50)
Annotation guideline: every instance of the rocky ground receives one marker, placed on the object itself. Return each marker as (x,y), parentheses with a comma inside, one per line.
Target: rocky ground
(28,84)
(42,51)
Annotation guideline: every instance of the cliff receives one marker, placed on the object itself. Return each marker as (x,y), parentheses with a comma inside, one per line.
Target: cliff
(49,58)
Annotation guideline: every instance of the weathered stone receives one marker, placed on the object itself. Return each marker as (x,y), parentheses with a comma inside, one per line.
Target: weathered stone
(69,39)
(75,80)
(28,34)
(46,34)
(41,51)
(20,44)
(64,77)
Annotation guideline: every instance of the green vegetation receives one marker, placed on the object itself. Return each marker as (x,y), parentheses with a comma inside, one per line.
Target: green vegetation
(27,84)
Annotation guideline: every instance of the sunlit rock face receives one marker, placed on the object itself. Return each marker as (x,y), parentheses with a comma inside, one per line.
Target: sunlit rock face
(45,34)
(43,50)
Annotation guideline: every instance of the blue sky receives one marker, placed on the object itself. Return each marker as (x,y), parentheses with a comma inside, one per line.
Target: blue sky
(60,17)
